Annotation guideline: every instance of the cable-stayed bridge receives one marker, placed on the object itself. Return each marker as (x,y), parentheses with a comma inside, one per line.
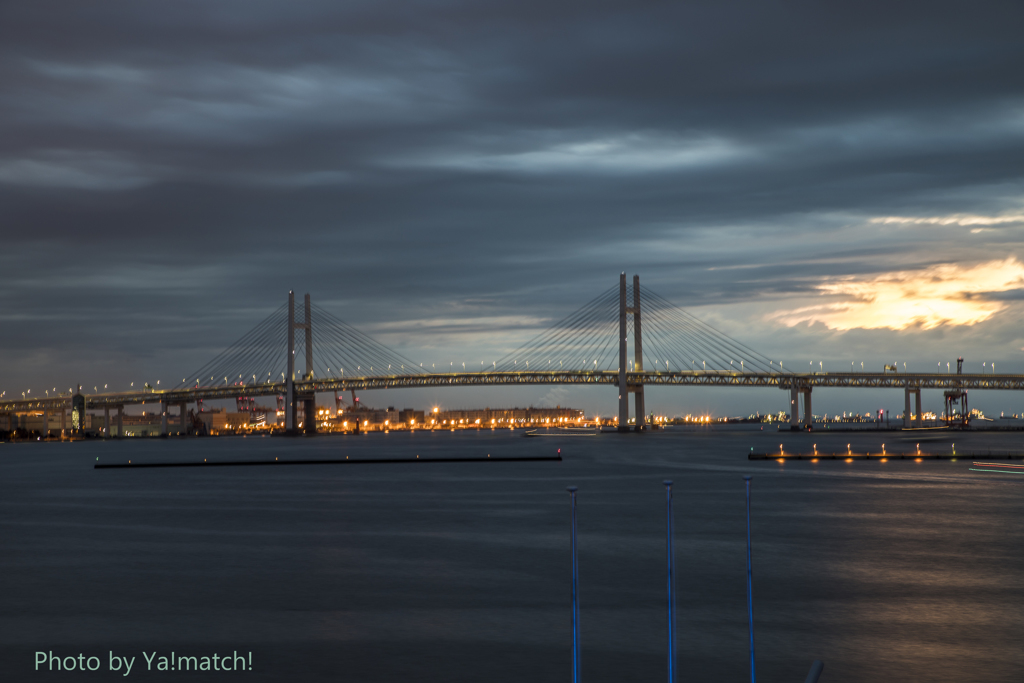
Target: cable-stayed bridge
(625,337)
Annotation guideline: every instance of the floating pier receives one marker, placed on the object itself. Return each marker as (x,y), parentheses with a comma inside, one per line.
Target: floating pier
(884,456)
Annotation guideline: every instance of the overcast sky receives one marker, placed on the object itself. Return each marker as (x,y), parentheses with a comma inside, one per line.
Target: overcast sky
(824,184)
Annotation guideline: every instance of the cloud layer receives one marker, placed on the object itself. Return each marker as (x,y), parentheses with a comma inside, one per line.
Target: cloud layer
(947,294)
(169,172)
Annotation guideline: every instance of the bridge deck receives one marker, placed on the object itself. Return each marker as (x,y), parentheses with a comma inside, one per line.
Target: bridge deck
(651,378)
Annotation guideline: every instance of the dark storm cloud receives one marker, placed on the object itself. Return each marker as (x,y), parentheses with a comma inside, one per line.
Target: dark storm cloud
(169,170)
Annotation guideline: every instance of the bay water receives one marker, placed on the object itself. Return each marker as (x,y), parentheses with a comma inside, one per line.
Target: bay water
(897,571)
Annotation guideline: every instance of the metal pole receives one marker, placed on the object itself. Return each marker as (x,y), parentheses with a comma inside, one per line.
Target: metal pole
(817,666)
(623,387)
(750,589)
(671,589)
(575,595)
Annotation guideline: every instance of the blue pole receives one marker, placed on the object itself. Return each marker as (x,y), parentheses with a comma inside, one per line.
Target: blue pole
(750,589)
(575,595)
(671,589)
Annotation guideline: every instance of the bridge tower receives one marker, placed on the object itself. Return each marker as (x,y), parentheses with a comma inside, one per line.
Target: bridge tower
(292,401)
(625,389)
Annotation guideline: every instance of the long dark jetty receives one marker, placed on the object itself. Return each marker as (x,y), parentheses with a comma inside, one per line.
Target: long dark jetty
(335,461)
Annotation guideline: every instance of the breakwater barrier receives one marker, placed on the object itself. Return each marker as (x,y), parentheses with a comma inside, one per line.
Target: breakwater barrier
(325,461)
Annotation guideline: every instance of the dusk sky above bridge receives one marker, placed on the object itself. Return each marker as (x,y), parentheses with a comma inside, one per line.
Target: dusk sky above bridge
(824,184)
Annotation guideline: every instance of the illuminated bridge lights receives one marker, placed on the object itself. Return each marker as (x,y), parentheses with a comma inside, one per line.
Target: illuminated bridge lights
(486,378)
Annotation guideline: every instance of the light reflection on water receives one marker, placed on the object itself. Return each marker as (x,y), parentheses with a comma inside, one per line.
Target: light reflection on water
(459,572)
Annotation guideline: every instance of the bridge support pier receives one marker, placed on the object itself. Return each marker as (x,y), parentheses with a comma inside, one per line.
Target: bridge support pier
(183,416)
(794,407)
(106,421)
(120,421)
(638,401)
(309,421)
(808,415)
(163,418)
(45,431)
(909,420)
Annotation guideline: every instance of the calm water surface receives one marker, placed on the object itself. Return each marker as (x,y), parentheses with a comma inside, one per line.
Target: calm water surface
(899,571)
